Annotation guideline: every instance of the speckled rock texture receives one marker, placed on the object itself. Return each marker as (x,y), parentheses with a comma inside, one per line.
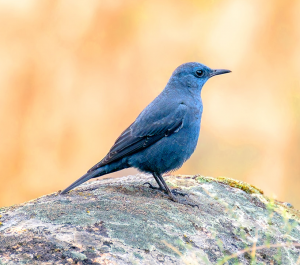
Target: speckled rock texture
(122,221)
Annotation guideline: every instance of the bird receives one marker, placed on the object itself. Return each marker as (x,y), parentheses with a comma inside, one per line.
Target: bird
(165,133)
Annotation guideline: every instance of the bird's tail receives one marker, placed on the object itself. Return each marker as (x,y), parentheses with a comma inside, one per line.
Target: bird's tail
(113,167)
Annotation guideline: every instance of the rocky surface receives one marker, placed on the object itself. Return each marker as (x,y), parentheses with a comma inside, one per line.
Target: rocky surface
(122,221)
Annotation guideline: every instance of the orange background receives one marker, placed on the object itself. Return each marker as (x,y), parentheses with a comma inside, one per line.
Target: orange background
(75,74)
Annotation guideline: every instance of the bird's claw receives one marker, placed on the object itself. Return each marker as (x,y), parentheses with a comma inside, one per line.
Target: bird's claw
(183,201)
(176,192)
(150,185)
(153,187)
(174,195)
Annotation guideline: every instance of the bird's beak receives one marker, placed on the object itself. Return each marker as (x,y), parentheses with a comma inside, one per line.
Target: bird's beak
(219,72)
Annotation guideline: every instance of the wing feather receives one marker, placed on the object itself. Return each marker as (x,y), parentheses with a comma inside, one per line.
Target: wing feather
(139,135)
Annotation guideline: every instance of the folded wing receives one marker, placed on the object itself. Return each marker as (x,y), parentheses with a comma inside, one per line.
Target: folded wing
(143,134)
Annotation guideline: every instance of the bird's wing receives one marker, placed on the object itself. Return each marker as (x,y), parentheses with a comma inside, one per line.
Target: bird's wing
(140,135)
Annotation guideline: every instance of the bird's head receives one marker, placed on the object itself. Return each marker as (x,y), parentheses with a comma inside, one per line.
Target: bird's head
(194,75)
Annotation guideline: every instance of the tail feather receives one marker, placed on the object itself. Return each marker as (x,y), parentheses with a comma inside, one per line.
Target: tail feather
(113,167)
(83,179)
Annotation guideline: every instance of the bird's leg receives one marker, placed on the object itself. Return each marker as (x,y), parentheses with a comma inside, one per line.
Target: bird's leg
(171,194)
(161,187)
(174,191)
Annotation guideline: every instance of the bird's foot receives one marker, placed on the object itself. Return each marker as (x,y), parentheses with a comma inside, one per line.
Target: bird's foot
(153,187)
(182,201)
(176,192)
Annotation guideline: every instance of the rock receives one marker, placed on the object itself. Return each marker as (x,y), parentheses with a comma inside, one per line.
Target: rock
(122,221)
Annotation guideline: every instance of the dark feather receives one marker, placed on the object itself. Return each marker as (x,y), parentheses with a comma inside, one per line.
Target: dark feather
(135,139)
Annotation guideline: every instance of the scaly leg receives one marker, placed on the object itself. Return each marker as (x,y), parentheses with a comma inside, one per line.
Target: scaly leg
(161,187)
(171,194)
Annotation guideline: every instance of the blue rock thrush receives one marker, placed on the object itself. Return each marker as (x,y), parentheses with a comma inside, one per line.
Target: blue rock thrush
(164,135)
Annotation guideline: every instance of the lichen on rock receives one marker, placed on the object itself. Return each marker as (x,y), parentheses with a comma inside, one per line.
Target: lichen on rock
(122,221)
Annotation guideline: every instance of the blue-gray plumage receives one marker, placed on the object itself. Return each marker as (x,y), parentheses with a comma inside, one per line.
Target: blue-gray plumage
(166,132)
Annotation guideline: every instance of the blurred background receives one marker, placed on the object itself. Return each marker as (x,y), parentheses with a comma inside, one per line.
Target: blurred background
(75,74)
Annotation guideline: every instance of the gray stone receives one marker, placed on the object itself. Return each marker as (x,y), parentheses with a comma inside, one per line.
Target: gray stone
(120,221)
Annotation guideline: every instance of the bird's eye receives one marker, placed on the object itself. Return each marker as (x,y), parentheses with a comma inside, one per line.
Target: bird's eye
(199,73)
